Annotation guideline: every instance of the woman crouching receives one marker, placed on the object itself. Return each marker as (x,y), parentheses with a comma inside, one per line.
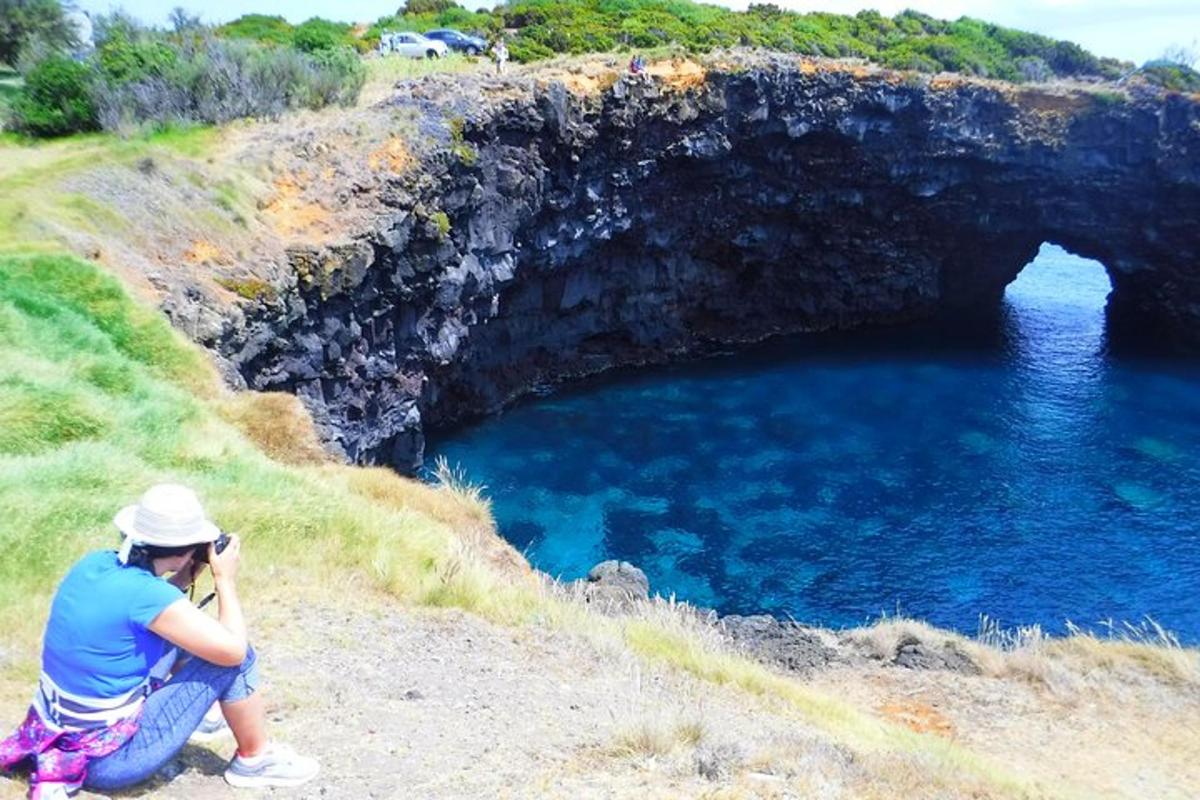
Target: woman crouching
(130,667)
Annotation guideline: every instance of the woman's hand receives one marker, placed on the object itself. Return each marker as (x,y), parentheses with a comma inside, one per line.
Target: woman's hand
(224,565)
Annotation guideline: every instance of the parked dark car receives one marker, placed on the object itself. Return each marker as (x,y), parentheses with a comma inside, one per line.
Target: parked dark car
(456,40)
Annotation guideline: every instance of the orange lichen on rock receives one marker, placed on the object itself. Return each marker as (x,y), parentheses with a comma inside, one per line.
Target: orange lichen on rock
(205,252)
(589,83)
(946,82)
(392,155)
(291,215)
(679,74)
(919,717)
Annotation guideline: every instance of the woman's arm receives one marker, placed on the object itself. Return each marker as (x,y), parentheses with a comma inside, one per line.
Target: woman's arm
(221,641)
(182,624)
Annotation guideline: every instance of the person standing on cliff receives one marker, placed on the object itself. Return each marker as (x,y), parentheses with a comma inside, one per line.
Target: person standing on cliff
(500,51)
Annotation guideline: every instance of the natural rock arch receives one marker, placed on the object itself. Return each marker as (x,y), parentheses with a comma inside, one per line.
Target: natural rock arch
(579,233)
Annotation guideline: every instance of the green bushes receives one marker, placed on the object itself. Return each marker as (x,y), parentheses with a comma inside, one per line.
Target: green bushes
(316,35)
(1173,77)
(137,77)
(259,28)
(215,80)
(25,23)
(56,99)
(909,40)
(311,36)
(337,78)
(124,55)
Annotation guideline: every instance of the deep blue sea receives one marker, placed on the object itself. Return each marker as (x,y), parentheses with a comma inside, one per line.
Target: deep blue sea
(1008,467)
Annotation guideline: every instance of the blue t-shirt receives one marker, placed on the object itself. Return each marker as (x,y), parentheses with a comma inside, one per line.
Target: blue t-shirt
(97,643)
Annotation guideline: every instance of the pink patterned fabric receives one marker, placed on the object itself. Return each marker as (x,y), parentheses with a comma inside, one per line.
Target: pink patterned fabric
(60,757)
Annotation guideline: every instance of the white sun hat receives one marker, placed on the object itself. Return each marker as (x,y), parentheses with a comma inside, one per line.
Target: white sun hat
(168,515)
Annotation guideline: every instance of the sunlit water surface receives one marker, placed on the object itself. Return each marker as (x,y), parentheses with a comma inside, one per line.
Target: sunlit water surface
(1015,470)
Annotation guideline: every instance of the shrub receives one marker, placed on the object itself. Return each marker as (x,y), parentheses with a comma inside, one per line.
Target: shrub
(319,34)
(55,100)
(1173,77)
(125,58)
(442,222)
(1033,68)
(338,77)
(216,80)
(25,21)
(426,7)
(259,28)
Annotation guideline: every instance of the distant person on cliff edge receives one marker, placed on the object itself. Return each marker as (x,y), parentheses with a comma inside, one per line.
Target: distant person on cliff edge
(130,667)
(500,52)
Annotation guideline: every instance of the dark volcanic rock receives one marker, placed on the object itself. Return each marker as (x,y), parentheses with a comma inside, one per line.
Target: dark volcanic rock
(784,644)
(615,586)
(561,235)
(912,653)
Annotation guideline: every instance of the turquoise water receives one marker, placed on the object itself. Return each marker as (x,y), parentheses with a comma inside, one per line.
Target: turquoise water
(1009,467)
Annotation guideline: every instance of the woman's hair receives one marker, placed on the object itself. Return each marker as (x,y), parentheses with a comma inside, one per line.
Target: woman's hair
(143,555)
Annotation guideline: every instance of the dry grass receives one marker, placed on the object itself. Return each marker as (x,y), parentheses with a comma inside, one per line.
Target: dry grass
(1086,660)
(1066,666)
(384,71)
(277,423)
(882,638)
(656,738)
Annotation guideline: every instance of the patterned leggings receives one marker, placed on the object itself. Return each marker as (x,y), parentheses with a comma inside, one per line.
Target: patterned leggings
(169,716)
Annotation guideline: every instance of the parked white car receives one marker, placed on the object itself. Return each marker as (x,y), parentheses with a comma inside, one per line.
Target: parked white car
(413,45)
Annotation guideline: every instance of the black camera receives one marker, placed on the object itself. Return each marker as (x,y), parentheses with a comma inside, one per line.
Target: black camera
(219,545)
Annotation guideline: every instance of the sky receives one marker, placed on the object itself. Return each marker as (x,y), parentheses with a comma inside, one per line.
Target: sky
(1126,29)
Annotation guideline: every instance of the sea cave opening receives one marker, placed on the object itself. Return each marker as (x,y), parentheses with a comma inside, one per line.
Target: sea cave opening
(1054,312)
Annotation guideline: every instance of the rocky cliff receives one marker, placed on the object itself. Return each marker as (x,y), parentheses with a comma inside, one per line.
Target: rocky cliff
(556,227)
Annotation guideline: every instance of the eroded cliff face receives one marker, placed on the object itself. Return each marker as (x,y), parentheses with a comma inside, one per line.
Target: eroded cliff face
(557,233)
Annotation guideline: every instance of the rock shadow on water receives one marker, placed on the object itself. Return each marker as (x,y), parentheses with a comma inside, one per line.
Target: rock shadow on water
(523,534)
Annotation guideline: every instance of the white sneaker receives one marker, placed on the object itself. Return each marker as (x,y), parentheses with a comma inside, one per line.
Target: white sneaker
(277,765)
(211,728)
